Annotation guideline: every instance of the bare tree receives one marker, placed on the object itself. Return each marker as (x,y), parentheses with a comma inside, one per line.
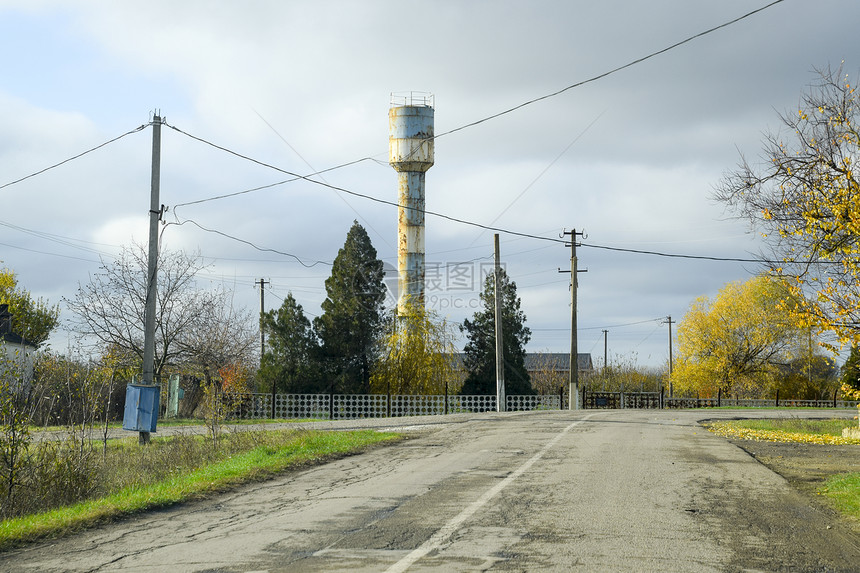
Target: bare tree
(220,335)
(196,326)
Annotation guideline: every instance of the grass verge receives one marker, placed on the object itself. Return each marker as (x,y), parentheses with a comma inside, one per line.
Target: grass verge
(842,490)
(785,430)
(259,462)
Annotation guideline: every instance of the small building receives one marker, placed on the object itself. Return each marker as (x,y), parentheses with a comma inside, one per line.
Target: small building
(549,372)
(557,362)
(17,355)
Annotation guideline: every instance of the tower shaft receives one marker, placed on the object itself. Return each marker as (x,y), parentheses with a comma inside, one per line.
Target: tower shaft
(410,150)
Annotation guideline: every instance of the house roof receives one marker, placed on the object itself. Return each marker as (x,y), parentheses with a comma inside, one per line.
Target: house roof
(557,361)
(6,329)
(12,338)
(552,361)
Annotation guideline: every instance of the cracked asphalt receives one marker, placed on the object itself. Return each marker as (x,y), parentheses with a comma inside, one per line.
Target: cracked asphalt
(621,490)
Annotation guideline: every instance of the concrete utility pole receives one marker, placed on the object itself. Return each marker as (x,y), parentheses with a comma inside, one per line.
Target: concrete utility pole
(605,351)
(669,321)
(262,283)
(573,379)
(155,211)
(500,354)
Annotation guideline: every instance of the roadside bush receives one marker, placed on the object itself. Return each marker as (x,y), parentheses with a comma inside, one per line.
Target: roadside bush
(58,475)
(623,374)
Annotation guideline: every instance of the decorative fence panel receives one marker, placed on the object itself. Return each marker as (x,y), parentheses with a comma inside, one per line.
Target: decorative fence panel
(404,405)
(754,403)
(250,406)
(245,406)
(642,400)
(302,406)
(352,406)
(527,403)
(471,404)
(602,400)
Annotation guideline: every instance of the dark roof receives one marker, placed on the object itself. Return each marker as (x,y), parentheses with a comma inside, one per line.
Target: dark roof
(13,338)
(557,361)
(6,328)
(554,361)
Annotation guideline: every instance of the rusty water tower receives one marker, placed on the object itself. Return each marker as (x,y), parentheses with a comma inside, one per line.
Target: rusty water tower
(410,153)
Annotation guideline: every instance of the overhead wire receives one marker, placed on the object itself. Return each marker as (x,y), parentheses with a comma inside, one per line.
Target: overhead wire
(610,72)
(674,255)
(249,243)
(68,241)
(78,156)
(48,253)
(308,178)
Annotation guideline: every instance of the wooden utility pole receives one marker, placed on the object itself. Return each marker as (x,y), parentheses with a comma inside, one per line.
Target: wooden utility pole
(500,350)
(155,211)
(573,376)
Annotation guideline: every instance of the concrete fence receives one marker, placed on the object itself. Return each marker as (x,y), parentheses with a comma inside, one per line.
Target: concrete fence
(253,406)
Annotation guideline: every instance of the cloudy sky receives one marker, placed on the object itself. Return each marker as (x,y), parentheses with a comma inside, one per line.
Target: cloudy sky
(304,86)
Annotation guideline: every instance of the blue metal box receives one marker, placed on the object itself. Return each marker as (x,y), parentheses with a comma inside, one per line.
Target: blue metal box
(141,408)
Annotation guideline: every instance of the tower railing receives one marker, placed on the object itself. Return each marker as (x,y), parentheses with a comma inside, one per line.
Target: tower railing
(415,99)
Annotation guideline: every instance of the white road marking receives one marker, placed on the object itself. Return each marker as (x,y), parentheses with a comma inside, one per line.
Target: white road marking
(437,539)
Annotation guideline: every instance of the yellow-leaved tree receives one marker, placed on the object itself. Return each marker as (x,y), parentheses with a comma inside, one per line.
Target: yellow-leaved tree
(33,319)
(805,198)
(417,355)
(739,341)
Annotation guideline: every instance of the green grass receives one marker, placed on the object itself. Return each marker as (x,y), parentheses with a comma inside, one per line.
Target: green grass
(831,427)
(263,459)
(844,492)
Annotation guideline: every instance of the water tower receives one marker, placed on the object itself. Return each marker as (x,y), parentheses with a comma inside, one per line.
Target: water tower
(410,153)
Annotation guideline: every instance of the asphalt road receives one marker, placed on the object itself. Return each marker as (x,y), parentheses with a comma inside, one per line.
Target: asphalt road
(590,491)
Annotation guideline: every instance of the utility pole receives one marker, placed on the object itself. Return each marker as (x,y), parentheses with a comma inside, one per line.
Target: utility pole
(605,353)
(573,376)
(155,211)
(670,322)
(500,354)
(262,282)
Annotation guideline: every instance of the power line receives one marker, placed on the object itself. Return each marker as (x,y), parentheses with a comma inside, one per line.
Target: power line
(48,253)
(249,243)
(68,241)
(610,327)
(307,178)
(677,256)
(610,72)
(79,155)
(356,193)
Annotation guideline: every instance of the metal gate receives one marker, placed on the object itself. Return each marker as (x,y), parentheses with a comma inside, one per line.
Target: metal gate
(622,400)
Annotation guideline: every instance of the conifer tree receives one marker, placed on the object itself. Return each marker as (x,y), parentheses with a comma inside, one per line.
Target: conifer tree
(352,318)
(480,351)
(290,363)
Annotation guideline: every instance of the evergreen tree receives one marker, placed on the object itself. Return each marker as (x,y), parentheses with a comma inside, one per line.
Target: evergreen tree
(291,361)
(352,317)
(480,351)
